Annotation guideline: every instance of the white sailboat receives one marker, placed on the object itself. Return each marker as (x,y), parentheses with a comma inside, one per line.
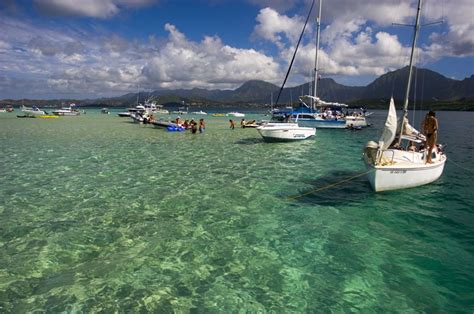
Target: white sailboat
(288,130)
(315,112)
(394,162)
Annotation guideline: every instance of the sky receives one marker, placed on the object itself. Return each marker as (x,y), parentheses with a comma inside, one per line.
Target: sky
(102,48)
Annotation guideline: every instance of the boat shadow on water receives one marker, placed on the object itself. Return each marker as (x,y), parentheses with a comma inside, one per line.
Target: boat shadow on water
(335,188)
(250,141)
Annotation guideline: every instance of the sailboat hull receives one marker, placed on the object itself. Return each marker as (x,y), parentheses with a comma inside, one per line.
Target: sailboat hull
(402,176)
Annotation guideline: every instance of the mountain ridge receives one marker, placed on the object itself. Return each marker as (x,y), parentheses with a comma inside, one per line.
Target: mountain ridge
(429,86)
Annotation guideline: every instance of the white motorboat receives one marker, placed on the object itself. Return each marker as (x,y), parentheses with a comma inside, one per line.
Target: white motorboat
(235,114)
(67,111)
(284,132)
(124,114)
(200,112)
(395,162)
(355,121)
(33,111)
(105,111)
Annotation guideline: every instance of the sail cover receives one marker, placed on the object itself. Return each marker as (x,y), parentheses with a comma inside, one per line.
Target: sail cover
(390,129)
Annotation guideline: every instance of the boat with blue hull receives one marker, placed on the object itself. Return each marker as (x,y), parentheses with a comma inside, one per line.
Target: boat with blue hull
(307,117)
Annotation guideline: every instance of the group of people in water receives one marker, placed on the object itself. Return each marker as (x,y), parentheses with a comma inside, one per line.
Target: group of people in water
(191,125)
(429,128)
(243,123)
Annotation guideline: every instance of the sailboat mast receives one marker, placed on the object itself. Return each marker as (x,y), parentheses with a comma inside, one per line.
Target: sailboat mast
(316,68)
(410,67)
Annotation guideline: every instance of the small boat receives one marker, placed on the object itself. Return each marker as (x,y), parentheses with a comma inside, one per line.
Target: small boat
(32,111)
(251,124)
(10,108)
(124,114)
(163,124)
(168,125)
(181,110)
(67,111)
(218,115)
(48,117)
(3,110)
(26,116)
(235,114)
(284,132)
(105,111)
(200,112)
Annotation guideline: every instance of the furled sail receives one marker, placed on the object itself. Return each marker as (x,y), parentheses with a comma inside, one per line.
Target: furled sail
(390,129)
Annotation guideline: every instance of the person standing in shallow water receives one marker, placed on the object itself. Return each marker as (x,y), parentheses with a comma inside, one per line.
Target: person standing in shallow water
(202,125)
(193,126)
(232,124)
(430,129)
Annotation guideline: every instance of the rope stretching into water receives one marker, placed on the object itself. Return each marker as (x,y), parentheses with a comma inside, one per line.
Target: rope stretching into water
(458,165)
(293,197)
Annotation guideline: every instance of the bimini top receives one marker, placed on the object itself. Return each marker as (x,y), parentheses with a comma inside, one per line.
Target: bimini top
(320,103)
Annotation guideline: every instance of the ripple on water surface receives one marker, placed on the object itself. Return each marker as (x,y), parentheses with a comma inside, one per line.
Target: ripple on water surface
(99,214)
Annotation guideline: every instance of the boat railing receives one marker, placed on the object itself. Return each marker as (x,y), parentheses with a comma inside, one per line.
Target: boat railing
(382,158)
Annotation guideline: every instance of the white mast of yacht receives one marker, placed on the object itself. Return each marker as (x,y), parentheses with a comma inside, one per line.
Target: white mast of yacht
(410,71)
(316,61)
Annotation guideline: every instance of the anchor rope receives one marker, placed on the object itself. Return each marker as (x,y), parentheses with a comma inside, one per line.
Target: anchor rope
(293,197)
(458,165)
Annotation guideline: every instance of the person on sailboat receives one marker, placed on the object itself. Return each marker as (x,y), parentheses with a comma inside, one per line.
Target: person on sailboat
(430,129)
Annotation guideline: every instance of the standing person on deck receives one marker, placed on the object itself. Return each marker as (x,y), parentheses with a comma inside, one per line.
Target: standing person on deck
(430,130)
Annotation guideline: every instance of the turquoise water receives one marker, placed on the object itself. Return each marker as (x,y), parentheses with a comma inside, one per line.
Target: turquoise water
(99,214)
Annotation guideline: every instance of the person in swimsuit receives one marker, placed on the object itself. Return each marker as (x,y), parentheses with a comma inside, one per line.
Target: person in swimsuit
(430,129)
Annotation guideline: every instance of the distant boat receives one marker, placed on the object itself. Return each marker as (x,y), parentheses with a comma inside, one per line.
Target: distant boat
(236,114)
(218,115)
(105,111)
(32,111)
(3,110)
(67,111)
(181,110)
(394,162)
(200,112)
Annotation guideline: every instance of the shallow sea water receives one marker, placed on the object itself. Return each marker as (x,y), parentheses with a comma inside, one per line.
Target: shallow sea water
(100,215)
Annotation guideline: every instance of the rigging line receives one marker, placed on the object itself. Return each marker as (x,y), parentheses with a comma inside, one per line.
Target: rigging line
(294,54)
(293,197)
(458,165)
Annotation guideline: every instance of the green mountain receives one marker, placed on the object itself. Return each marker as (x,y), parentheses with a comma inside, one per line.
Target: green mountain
(430,88)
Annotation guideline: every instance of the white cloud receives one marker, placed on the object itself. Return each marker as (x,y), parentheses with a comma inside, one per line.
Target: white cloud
(272,26)
(209,63)
(88,8)
(356,37)
(357,40)
(4,45)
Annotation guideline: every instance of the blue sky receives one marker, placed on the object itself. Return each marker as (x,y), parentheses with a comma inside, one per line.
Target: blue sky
(101,48)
